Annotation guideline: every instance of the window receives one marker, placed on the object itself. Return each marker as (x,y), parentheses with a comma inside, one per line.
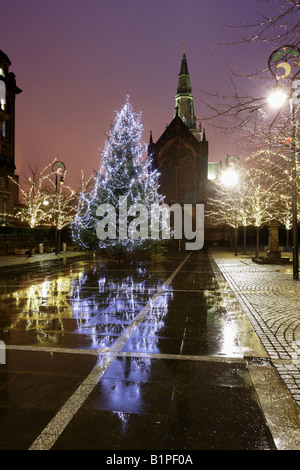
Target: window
(3,183)
(2,71)
(2,95)
(3,210)
(3,128)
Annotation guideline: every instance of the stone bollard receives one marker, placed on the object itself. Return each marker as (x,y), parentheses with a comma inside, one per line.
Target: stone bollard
(273,251)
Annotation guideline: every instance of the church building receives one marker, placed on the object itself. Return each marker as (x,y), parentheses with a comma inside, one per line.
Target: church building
(8,92)
(181,152)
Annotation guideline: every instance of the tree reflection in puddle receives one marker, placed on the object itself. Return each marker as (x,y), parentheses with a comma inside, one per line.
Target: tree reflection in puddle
(90,307)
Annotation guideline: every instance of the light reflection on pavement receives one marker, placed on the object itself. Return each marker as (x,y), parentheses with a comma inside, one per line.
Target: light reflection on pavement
(179,371)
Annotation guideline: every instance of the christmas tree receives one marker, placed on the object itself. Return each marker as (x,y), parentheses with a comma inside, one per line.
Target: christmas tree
(114,215)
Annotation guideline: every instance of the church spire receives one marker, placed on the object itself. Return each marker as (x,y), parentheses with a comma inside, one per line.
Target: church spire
(184,77)
(184,98)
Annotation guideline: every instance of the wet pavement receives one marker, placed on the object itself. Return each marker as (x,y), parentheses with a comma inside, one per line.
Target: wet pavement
(130,356)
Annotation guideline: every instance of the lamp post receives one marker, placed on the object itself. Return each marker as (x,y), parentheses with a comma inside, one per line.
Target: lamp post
(58,169)
(230,179)
(286,58)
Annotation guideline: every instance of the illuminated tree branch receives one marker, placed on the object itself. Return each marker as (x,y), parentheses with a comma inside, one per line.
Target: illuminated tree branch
(34,191)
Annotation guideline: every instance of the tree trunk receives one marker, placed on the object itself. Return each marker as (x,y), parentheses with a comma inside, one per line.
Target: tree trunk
(257,243)
(59,238)
(235,240)
(245,239)
(31,241)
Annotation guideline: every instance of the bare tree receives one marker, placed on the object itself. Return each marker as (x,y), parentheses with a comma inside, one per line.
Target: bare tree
(243,110)
(278,25)
(252,201)
(64,208)
(271,137)
(34,191)
(42,204)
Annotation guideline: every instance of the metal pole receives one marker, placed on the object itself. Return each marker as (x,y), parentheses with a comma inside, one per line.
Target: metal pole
(57,168)
(235,230)
(294,188)
(284,54)
(56,248)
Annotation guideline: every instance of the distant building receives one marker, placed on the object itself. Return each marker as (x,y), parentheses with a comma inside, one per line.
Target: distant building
(8,92)
(181,156)
(181,152)
(214,170)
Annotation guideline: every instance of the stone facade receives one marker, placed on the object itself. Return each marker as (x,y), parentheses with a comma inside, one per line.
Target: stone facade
(8,92)
(181,153)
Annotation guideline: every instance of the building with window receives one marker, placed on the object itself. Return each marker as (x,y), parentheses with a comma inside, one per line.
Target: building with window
(181,152)
(181,156)
(8,92)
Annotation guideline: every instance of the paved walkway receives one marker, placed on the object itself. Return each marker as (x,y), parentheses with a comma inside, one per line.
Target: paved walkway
(120,356)
(177,336)
(270,297)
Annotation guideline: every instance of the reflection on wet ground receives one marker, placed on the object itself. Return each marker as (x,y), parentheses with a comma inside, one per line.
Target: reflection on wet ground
(89,305)
(160,392)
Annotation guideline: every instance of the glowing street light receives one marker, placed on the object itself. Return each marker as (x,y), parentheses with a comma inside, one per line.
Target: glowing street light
(45,199)
(230,177)
(277,98)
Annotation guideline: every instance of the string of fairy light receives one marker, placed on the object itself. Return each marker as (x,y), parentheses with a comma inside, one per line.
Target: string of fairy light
(126,172)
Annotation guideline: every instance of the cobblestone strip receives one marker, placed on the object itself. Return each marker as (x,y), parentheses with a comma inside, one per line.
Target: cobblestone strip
(270,299)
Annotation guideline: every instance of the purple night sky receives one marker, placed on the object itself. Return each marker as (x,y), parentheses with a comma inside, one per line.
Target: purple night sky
(76,60)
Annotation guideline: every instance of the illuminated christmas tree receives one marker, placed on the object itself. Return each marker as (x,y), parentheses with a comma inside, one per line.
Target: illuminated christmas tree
(105,218)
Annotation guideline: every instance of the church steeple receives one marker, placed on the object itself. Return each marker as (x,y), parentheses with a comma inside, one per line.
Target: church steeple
(184,77)
(184,98)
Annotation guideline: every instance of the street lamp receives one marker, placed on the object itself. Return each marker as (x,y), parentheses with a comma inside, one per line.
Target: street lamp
(230,179)
(45,199)
(58,169)
(277,98)
(286,59)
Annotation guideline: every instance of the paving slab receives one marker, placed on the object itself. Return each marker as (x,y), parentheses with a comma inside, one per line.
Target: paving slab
(269,297)
(135,356)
